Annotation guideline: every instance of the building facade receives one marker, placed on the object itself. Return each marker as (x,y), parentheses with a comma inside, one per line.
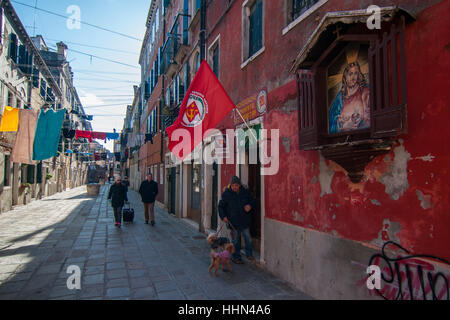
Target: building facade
(29,82)
(347,102)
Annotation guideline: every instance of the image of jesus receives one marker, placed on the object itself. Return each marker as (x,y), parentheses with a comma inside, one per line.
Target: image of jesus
(351,109)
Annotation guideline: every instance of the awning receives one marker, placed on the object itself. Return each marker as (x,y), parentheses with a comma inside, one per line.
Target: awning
(325,33)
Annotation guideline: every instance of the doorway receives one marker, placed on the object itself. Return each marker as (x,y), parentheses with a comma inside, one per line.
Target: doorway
(172,185)
(250,174)
(215,186)
(194,210)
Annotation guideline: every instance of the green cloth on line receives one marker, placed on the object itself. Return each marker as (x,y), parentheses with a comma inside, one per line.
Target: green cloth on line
(48,132)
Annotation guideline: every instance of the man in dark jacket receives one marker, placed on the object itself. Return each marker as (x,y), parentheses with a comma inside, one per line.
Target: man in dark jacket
(148,191)
(118,195)
(126,183)
(234,209)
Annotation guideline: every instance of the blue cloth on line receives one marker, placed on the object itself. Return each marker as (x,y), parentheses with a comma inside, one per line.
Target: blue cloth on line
(113,136)
(48,133)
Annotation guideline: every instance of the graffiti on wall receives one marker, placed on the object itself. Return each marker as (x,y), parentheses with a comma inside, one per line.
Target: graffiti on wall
(408,277)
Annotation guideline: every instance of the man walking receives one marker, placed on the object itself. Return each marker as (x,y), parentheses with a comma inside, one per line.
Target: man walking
(234,210)
(148,191)
(118,195)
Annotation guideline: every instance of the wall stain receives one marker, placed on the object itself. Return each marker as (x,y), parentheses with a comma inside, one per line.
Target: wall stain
(396,179)
(425,200)
(325,176)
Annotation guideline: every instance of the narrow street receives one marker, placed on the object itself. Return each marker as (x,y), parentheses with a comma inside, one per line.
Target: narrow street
(39,241)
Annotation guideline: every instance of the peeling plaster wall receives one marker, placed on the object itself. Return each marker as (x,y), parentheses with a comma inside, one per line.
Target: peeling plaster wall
(404,196)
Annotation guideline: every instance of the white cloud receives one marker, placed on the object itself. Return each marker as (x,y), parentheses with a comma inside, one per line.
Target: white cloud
(90,99)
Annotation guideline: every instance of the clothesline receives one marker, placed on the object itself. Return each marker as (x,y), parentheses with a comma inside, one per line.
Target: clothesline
(96,135)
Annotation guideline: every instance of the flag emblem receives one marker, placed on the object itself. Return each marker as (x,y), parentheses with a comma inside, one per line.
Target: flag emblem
(195,110)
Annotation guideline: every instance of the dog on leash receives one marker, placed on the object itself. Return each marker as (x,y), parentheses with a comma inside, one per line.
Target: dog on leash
(217,243)
(221,258)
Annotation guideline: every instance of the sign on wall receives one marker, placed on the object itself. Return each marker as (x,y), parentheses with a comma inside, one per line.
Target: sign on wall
(251,107)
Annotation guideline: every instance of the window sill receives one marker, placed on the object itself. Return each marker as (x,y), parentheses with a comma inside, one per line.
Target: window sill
(253,57)
(302,17)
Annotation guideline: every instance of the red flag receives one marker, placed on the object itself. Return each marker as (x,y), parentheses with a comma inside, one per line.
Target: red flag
(204,106)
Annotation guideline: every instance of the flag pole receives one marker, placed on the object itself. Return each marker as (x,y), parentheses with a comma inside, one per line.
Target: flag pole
(245,122)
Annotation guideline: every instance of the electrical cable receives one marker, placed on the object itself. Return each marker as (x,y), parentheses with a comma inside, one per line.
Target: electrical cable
(96,47)
(82,22)
(101,58)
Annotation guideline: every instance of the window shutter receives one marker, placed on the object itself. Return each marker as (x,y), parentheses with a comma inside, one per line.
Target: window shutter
(22,61)
(388,83)
(307,115)
(30,63)
(35,77)
(12,48)
(30,174)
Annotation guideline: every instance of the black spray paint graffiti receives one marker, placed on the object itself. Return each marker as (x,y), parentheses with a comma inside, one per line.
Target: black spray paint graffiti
(409,278)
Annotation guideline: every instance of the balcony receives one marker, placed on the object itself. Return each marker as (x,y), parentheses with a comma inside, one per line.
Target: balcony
(174,52)
(170,115)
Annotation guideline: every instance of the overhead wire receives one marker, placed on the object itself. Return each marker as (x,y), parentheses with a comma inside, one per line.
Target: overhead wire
(101,58)
(96,47)
(77,20)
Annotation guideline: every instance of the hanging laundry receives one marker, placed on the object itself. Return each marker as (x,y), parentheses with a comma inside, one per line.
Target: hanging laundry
(10,119)
(83,134)
(96,156)
(103,156)
(23,146)
(112,136)
(68,133)
(48,132)
(98,135)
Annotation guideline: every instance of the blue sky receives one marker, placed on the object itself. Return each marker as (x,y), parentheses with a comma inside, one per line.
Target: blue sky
(105,88)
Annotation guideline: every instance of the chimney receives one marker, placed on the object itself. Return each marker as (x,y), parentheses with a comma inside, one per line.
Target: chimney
(62,49)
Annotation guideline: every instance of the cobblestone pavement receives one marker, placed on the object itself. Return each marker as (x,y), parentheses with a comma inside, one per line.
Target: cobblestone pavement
(39,241)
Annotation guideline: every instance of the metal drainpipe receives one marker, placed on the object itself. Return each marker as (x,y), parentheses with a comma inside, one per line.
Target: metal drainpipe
(201,227)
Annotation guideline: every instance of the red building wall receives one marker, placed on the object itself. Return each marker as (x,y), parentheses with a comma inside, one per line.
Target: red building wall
(404,196)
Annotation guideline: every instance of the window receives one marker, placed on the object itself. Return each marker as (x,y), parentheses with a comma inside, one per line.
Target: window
(13,47)
(196,62)
(157,19)
(186,22)
(252,29)
(7,172)
(215,64)
(300,6)
(186,76)
(255,40)
(214,55)
(10,99)
(43,89)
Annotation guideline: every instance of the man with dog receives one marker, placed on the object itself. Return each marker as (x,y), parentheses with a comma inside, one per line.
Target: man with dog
(234,209)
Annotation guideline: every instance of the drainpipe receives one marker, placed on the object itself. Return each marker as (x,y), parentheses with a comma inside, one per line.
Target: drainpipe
(201,227)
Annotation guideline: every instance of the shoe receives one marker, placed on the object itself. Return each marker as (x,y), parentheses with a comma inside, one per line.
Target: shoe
(251,258)
(237,261)
(153,223)
(146,221)
(118,225)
